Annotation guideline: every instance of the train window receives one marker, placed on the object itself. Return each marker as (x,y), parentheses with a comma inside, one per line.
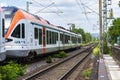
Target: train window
(3,27)
(16,32)
(67,38)
(52,37)
(40,36)
(57,37)
(47,37)
(36,33)
(23,30)
(79,40)
(61,38)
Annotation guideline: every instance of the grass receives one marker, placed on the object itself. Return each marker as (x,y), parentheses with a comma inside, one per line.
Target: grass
(49,59)
(86,73)
(61,54)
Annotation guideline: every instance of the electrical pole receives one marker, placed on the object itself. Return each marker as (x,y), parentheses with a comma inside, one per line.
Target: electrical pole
(100,28)
(27,6)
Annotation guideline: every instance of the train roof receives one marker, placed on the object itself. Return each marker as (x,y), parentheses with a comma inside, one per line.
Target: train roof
(12,10)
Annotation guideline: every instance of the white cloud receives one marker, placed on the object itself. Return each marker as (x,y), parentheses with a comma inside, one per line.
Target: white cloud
(3,4)
(72,12)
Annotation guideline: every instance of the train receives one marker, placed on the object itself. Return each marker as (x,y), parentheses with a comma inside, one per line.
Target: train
(2,39)
(28,35)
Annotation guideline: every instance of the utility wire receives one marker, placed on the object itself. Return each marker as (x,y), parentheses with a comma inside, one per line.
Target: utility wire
(53,11)
(85,12)
(56,6)
(44,8)
(61,12)
(84,9)
(89,8)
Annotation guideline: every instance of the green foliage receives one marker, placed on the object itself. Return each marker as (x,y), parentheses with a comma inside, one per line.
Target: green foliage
(110,52)
(61,54)
(88,37)
(96,50)
(82,45)
(49,59)
(86,73)
(12,71)
(0,76)
(114,31)
(105,47)
(79,31)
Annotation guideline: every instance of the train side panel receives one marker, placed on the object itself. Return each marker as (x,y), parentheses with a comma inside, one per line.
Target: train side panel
(2,40)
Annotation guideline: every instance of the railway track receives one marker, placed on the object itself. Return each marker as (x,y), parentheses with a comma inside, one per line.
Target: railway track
(62,69)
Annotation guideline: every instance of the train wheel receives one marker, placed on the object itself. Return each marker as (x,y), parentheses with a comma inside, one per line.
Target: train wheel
(30,56)
(35,54)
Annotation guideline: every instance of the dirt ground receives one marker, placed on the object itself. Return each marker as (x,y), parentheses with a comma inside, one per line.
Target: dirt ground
(88,65)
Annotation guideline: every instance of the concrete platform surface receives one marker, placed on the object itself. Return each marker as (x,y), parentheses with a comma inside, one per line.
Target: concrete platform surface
(113,69)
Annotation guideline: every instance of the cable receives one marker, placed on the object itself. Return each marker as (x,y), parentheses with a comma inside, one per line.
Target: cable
(44,8)
(52,11)
(85,12)
(56,6)
(90,8)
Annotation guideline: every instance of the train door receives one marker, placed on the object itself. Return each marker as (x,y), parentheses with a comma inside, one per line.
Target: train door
(44,39)
(30,33)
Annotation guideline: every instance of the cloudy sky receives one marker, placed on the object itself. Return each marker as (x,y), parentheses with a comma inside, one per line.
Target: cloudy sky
(82,13)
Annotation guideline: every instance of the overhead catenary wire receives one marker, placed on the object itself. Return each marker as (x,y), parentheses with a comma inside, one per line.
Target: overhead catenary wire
(85,12)
(57,13)
(83,8)
(57,7)
(44,8)
(89,8)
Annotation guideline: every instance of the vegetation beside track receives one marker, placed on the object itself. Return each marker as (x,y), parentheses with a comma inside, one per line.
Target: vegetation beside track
(96,50)
(12,71)
(61,54)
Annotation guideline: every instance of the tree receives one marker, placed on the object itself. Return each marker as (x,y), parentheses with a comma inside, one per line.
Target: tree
(88,37)
(105,47)
(79,31)
(114,31)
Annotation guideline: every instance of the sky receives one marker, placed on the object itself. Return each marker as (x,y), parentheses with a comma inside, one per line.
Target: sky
(82,13)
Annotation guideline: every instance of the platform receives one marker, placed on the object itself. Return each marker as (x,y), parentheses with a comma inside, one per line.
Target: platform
(112,68)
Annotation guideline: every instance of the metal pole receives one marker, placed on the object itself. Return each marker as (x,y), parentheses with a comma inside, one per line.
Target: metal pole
(27,6)
(100,28)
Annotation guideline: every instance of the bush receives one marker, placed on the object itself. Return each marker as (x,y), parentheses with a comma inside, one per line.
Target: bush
(86,73)
(61,54)
(96,51)
(0,76)
(12,71)
(105,48)
(49,59)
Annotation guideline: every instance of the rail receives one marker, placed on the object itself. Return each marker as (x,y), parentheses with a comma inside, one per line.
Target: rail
(33,76)
(68,73)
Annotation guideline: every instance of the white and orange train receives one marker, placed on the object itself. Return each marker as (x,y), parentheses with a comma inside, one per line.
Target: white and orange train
(2,39)
(29,35)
